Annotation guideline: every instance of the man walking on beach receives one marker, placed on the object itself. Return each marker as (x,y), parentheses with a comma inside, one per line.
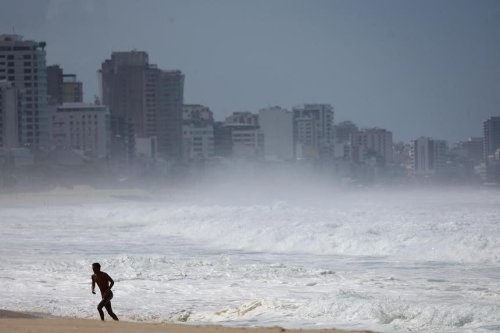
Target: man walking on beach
(105,282)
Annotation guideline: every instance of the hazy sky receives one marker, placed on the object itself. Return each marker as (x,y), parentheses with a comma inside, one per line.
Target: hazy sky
(414,67)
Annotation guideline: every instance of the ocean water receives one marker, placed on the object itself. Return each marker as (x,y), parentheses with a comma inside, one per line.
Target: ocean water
(388,260)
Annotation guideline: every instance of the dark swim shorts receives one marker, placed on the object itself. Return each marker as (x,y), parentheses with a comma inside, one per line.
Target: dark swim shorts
(108,296)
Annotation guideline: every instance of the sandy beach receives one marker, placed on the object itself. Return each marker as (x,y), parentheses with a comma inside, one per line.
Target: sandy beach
(16,322)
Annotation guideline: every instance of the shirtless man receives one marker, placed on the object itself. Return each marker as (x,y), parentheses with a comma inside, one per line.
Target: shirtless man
(105,282)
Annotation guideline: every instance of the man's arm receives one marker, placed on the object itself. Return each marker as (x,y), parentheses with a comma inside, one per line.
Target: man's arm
(111,282)
(93,285)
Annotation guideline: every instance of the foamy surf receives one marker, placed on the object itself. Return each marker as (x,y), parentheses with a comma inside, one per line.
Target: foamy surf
(390,262)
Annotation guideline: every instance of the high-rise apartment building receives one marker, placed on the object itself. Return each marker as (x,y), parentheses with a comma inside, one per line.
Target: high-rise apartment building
(22,62)
(471,150)
(82,126)
(122,83)
(198,142)
(10,105)
(72,89)
(491,136)
(164,97)
(146,97)
(372,142)
(198,133)
(54,84)
(306,138)
(223,140)
(63,88)
(344,130)
(314,131)
(428,156)
(276,125)
(492,148)
(244,134)
(247,141)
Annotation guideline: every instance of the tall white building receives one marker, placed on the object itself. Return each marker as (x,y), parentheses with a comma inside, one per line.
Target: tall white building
(276,125)
(82,126)
(245,137)
(372,142)
(198,142)
(198,132)
(9,108)
(22,62)
(247,141)
(306,138)
(314,131)
(428,156)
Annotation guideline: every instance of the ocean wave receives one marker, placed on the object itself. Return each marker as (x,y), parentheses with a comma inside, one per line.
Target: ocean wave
(422,236)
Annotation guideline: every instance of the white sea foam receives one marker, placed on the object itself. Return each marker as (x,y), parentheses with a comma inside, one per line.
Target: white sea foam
(389,261)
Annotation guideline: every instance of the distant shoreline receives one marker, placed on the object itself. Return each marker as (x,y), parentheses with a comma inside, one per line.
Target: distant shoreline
(73,195)
(17,322)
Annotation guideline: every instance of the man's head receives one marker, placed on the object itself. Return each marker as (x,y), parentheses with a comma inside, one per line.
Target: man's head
(96,267)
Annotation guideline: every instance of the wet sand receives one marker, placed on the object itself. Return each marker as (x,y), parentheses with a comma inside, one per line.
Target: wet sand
(16,322)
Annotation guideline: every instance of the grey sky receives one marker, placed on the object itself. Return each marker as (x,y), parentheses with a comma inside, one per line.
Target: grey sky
(414,67)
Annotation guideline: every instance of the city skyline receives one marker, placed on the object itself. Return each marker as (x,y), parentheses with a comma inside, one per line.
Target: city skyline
(417,69)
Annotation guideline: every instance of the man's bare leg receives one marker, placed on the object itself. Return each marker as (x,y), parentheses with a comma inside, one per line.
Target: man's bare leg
(100,306)
(110,311)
